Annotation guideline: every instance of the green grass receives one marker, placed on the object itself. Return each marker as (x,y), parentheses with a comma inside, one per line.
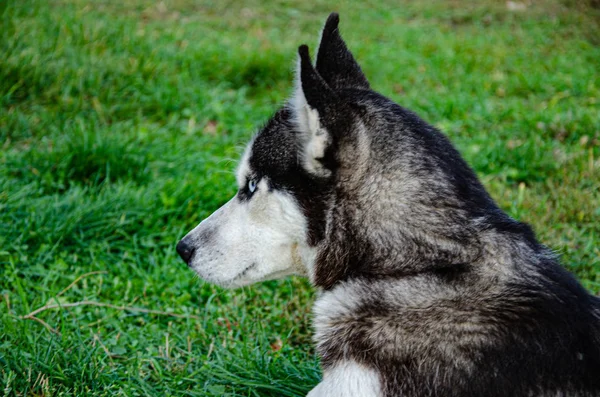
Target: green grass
(120,124)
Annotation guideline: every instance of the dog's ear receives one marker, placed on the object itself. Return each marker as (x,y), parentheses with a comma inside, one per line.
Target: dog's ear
(316,112)
(335,62)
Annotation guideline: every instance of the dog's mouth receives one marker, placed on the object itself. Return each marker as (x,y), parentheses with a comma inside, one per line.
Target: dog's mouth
(239,280)
(236,281)
(244,272)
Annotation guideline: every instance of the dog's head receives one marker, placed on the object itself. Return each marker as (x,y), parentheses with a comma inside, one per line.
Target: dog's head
(341,180)
(271,227)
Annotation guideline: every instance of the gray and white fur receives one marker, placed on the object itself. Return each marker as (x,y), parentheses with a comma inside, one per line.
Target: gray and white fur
(427,288)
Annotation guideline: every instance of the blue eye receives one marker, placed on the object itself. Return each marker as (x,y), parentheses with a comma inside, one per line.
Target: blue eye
(252,185)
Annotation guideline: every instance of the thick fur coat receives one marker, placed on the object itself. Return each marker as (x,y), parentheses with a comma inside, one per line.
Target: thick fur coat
(427,288)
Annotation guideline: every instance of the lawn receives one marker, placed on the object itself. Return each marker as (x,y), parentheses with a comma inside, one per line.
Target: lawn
(120,126)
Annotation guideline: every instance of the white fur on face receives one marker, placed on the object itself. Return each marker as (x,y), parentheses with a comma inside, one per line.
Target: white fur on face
(348,379)
(246,241)
(262,238)
(243,170)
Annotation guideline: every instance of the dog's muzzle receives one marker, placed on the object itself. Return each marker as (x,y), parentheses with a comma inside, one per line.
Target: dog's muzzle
(185,251)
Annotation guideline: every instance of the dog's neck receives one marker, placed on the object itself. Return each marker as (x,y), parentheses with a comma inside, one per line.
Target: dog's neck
(495,250)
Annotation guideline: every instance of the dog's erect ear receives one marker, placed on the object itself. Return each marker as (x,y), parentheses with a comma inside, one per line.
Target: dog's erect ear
(335,62)
(317,94)
(316,111)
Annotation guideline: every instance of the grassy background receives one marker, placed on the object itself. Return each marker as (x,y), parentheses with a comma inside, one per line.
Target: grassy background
(120,124)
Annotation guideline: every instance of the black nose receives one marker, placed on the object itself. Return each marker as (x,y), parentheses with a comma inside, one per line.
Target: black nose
(185,251)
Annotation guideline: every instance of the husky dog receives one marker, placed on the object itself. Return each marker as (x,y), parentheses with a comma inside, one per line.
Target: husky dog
(427,288)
